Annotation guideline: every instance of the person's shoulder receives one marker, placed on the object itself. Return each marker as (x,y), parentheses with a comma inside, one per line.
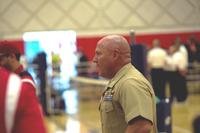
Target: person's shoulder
(3,81)
(3,71)
(25,74)
(135,76)
(26,86)
(5,74)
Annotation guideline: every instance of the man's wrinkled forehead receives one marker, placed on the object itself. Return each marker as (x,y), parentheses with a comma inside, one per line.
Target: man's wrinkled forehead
(105,42)
(101,44)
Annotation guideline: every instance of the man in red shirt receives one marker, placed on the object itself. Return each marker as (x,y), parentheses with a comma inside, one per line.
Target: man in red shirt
(20,111)
(10,59)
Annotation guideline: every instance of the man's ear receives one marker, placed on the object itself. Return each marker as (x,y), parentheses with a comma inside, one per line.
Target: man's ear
(116,53)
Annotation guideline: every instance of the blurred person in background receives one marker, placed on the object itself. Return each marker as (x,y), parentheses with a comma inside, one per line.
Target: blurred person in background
(10,59)
(156,61)
(170,71)
(181,48)
(180,59)
(178,64)
(41,71)
(20,111)
(128,102)
(193,48)
(138,54)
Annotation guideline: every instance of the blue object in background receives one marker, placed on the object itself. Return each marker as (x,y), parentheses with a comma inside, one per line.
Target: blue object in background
(164,118)
(32,48)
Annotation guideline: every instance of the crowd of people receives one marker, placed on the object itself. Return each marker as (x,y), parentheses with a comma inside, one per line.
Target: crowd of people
(172,65)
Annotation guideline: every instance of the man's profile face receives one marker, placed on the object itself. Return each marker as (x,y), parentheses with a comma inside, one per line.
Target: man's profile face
(102,59)
(4,61)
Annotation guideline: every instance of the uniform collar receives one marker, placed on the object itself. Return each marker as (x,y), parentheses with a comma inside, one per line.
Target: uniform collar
(19,69)
(119,75)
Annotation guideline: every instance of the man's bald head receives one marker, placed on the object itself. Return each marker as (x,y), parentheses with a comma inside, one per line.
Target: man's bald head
(112,53)
(116,42)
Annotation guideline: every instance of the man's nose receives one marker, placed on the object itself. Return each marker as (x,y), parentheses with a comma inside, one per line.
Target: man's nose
(94,59)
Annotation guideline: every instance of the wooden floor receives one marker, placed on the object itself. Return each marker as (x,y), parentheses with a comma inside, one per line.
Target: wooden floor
(184,113)
(82,116)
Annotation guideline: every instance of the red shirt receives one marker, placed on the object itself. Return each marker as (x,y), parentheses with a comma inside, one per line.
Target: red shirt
(28,116)
(26,77)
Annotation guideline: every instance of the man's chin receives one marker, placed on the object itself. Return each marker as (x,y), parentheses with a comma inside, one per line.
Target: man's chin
(102,75)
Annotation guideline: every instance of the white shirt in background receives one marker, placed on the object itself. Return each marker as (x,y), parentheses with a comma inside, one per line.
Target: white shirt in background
(176,61)
(156,57)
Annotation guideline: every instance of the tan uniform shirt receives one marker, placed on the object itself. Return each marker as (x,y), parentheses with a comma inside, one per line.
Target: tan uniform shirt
(127,96)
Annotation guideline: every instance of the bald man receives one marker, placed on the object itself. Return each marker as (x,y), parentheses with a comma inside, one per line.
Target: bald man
(128,102)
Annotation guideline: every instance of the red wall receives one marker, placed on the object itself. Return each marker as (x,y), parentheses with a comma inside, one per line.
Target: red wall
(166,38)
(88,43)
